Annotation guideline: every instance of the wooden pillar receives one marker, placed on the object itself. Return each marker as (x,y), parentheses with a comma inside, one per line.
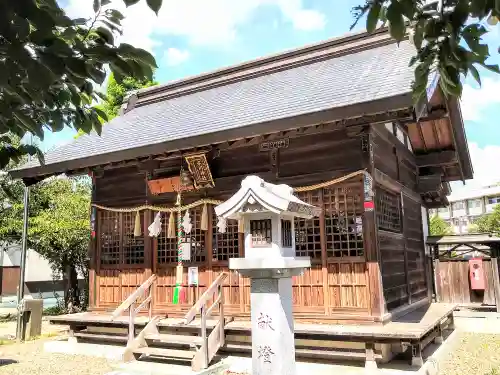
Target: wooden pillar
(148,244)
(324,260)
(496,280)
(93,263)
(405,251)
(241,279)
(209,244)
(370,240)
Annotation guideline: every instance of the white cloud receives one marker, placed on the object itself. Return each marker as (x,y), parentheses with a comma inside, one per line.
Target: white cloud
(174,56)
(483,162)
(208,23)
(475,100)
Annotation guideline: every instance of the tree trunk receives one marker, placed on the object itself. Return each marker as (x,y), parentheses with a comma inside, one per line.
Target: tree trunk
(71,290)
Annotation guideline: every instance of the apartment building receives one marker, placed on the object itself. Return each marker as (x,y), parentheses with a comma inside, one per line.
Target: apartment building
(466,207)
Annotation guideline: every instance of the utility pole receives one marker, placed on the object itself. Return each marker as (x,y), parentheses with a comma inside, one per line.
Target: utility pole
(24,249)
(24,246)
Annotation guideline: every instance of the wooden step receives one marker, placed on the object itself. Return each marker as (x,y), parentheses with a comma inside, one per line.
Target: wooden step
(101,337)
(174,339)
(165,353)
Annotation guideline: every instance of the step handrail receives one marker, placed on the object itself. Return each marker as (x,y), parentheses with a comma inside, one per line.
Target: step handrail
(212,343)
(205,297)
(129,304)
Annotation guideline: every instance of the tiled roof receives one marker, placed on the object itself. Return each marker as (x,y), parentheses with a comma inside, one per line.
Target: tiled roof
(364,76)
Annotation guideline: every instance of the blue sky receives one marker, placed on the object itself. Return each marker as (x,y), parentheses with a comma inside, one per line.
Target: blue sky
(194,36)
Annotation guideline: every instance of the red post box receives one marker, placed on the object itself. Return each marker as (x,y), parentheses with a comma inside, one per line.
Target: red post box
(476,274)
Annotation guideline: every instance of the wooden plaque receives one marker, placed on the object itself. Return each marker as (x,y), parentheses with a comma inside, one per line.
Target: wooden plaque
(200,170)
(167,185)
(274,144)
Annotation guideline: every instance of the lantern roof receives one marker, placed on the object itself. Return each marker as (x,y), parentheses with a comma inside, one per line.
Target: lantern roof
(256,195)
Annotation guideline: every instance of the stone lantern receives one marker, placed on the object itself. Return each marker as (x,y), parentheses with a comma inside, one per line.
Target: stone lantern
(268,213)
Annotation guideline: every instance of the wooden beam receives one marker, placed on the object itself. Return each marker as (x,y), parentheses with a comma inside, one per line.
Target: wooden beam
(437,158)
(430,183)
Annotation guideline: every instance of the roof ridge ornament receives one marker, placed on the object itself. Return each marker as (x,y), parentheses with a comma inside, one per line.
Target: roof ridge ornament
(129,102)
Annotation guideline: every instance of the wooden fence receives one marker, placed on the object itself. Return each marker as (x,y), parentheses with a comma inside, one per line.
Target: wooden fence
(453,283)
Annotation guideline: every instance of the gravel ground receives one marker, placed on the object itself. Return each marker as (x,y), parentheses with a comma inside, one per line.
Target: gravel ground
(472,354)
(32,360)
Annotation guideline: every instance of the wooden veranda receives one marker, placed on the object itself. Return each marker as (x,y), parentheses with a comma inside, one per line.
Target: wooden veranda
(408,334)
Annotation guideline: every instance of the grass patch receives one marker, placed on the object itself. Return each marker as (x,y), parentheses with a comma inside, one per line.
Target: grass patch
(7,342)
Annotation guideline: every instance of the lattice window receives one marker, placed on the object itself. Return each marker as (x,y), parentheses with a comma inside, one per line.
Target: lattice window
(167,247)
(388,210)
(133,247)
(261,231)
(307,232)
(286,233)
(110,237)
(343,220)
(225,245)
(197,236)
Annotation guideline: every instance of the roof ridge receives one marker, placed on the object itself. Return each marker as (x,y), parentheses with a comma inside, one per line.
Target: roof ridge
(347,44)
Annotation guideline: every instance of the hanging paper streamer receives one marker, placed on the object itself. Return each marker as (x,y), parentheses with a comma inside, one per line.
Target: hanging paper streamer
(137,226)
(171,226)
(186,223)
(155,227)
(221,225)
(204,218)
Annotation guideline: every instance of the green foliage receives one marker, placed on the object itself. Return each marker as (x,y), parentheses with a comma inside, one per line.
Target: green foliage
(50,64)
(446,33)
(61,231)
(116,93)
(489,223)
(439,227)
(58,225)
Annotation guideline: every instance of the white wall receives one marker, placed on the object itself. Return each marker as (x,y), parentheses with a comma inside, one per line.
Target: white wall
(37,267)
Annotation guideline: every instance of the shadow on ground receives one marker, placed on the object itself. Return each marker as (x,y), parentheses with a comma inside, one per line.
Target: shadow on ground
(5,362)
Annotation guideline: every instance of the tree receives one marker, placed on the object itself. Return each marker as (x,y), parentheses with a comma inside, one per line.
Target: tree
(50,64)
(439,227)
(438,30)
(489,223)
(58,227)
(116,93)
(61,232)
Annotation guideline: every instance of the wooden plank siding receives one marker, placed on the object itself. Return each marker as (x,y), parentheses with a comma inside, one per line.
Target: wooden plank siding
(399,221)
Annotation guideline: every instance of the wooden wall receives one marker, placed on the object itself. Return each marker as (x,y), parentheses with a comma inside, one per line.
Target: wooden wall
(399,221)
(340,285)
